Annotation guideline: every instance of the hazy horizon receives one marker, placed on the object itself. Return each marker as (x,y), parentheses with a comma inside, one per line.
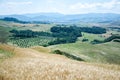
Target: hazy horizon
(8,7)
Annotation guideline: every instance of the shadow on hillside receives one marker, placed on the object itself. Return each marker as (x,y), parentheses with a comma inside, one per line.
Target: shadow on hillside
(67,55)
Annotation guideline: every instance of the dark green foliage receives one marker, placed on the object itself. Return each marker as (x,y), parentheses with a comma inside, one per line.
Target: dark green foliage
(61,34)
(28,38)
(94,30)
(65,31)
(65,34)
(29,33)
(116,40)
(70,34)
(115,36)
(95,41)
(63,40)
(67,55)
(85,40)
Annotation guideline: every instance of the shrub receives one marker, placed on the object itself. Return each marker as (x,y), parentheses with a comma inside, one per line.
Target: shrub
(67,55)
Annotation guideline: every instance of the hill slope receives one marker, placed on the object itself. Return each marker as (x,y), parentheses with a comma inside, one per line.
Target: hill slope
(57,17)
(100,53)
(37,64)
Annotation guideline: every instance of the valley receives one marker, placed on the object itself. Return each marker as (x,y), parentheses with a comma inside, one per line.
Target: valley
(63,49)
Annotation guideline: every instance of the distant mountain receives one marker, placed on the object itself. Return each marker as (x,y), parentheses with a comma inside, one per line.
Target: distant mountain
(94,17)
(57,17)
(13,20)
(32,15)
(20,17)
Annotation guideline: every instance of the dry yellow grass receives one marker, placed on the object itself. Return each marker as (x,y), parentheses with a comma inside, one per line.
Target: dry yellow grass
(29,64)
(42,49)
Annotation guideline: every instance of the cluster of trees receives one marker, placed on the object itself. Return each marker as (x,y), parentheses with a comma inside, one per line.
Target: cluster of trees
(62,34)
(94,30)
(28,33)
(63,40)
(115,37)
(65,34)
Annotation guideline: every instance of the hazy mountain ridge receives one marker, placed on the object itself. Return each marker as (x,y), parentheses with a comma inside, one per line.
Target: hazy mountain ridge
(57,17)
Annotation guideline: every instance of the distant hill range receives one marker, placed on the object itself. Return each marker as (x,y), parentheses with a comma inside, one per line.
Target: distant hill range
(57,17)
(12,19)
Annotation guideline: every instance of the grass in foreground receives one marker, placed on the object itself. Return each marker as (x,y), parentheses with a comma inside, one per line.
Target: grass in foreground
(29,64)
(4,54)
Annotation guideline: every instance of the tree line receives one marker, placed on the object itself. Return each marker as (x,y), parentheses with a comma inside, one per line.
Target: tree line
(28,33)
(63,34)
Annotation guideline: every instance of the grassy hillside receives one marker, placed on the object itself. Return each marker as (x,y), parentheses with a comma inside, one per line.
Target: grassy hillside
(19,26)
(4,55)
(101,53)
(91,37)
(5,52)
(37,64)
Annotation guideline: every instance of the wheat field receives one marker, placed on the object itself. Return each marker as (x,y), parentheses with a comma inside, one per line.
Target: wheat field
(38,64)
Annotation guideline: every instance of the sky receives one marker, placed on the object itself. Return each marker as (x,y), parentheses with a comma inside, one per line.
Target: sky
(59,6)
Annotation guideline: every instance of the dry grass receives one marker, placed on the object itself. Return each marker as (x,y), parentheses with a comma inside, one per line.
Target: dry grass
(29,64)
(42,49)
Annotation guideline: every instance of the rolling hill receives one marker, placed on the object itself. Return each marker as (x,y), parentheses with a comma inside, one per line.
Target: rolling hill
(57,17)
(78,61)
(100,53)
(36,63)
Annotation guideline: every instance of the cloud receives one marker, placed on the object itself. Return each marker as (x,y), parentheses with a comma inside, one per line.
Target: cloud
(50,1)
(19,3)
(89,6)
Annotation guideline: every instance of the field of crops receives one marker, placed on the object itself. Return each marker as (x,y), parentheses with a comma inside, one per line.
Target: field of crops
(28,42)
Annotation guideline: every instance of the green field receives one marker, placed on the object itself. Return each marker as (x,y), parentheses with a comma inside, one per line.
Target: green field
(91,37)
(36,27)
(100,53)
